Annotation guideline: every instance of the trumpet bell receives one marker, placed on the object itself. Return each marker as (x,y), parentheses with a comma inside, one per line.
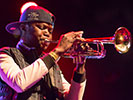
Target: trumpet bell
(122,40)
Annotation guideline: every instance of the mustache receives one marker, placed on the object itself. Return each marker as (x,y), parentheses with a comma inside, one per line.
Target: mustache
(45,40)
(49,41)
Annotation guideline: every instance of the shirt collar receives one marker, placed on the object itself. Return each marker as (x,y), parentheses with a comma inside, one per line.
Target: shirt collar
(21,43)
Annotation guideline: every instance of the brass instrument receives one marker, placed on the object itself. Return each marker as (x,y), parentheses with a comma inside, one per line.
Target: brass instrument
(121,41)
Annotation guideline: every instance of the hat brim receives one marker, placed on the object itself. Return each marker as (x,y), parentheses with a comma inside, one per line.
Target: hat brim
(13,27)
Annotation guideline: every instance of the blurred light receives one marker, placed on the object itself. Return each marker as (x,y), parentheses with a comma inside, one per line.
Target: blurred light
(26,5)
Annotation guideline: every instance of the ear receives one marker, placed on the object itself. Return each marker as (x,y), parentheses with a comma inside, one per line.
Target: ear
(22,28)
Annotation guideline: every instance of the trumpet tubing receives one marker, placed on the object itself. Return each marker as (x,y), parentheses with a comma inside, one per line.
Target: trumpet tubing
(121,40)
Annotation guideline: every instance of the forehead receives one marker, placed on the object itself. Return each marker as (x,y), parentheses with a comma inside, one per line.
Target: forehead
(42,24)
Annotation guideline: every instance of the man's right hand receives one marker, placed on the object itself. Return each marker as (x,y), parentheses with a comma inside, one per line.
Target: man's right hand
(66,41)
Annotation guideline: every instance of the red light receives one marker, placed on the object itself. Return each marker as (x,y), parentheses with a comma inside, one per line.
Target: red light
(26,5)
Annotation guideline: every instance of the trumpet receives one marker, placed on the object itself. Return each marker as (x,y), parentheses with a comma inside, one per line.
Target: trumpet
(121,41)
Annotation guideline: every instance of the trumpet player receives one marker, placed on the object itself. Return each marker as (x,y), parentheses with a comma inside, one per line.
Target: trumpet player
(27,72)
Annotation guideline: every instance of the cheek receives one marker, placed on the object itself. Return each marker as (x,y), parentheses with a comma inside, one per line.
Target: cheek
(50,37)
(35,34)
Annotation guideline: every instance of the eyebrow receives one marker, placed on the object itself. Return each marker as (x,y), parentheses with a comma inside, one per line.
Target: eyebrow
(46,25)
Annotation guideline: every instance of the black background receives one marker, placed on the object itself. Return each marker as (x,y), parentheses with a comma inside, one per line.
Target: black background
(107,79)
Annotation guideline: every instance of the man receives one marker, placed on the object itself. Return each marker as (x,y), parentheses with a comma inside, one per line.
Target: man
(27,73)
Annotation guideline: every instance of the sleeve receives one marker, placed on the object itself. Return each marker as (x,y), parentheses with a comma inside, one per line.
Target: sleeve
(22,79)
(75,90)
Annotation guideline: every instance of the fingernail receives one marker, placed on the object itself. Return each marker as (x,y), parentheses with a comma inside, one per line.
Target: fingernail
(82,31)
(81,35)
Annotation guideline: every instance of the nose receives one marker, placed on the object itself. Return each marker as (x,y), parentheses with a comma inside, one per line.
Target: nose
(46,33)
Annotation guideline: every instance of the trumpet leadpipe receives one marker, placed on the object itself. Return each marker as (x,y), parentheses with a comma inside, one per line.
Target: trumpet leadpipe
(51,41)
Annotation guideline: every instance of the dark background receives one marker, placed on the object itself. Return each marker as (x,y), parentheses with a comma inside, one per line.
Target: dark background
(107,79)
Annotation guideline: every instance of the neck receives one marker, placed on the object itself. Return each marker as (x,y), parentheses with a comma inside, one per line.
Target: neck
(21,43)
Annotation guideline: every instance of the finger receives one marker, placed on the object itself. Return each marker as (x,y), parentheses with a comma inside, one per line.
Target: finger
(74,34)
(78,34)
(80,39)
(79,59)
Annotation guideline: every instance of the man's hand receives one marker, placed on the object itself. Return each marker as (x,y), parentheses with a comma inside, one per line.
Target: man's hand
(66,41)
(80,64)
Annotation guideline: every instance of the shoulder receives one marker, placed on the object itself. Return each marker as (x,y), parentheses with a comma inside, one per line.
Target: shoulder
(5,50)
(8,50)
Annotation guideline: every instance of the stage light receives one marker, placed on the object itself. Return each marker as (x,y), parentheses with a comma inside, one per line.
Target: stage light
(26,5)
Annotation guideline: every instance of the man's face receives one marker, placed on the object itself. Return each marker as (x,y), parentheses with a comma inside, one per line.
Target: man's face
(36,34)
